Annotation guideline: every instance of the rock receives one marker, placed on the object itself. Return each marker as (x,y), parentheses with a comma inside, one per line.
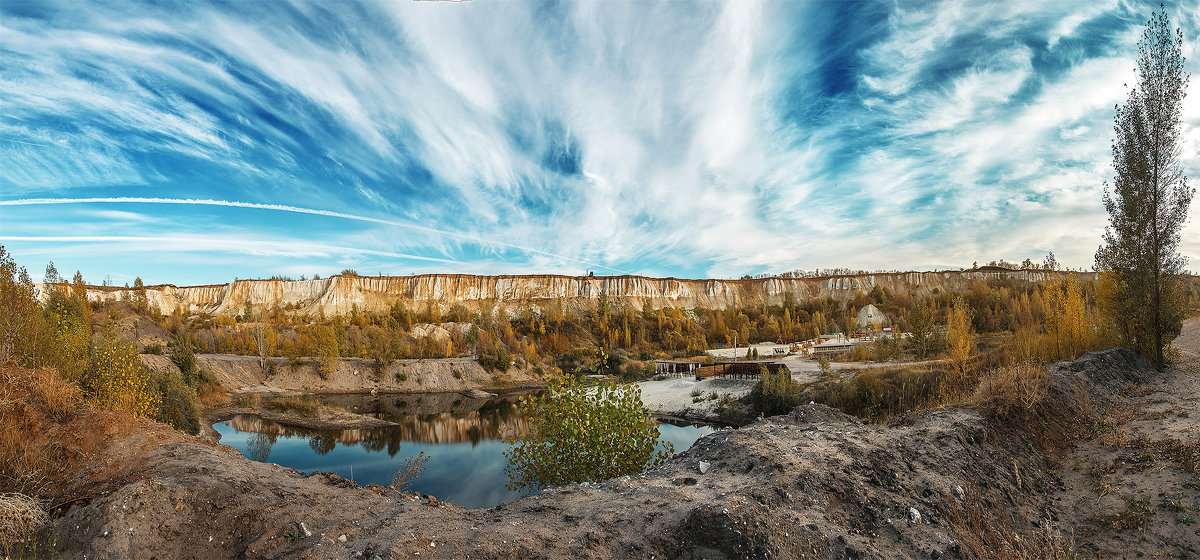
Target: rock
(342,538)
(704,466)
(304,529)
(477,394)
(914,516)
(959,493)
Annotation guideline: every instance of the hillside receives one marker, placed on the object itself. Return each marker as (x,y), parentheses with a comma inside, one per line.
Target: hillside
(338,295)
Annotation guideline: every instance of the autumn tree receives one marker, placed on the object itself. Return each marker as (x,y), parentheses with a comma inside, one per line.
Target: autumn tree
(580,433)
(960,337)
(18,310)
(116,379)
(1068,323)
(1147,201)
(327,350)
(140,299)
(921,329)
(262,332)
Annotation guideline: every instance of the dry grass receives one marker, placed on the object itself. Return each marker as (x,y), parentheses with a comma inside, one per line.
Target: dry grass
(212,395)
(984,530)
(24,463)
(305,406)
(247,400)
(1013,392)
(880,394)
(409,469)
(20,517)
(60,398)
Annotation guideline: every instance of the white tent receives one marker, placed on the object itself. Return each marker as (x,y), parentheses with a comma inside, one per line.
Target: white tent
(871,315)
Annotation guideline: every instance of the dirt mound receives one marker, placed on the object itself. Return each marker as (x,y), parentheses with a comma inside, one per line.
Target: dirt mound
(1105,373)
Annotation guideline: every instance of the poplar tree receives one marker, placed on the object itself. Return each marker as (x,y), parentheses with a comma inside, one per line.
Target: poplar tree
(1148,199)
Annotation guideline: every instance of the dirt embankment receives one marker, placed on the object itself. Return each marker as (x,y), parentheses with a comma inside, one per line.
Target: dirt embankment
(815,483)
(353,375)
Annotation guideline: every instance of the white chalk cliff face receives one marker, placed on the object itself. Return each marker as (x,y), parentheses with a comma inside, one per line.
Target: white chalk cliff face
(337,295)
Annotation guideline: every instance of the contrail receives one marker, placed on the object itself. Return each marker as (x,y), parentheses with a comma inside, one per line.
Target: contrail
(26,143)
(297,210)
(206,242)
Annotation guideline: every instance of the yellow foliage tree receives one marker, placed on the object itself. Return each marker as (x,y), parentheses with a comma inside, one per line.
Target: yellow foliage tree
(116,380)
(960,337)
(327,350)
(1069,325)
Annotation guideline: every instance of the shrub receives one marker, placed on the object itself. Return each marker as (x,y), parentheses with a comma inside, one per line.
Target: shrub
(184,356)
(1013,392)
(878,394)
(774,393)
(247,400)
(116,380)
(177,403)
(581,434)
(155,349)
(401,377)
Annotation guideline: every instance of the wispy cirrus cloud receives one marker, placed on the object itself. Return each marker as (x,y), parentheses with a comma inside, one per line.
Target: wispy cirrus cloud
(658,138)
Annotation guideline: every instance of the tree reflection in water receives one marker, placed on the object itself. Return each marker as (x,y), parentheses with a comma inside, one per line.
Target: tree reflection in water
(258,447)
(461,436)
(459,420)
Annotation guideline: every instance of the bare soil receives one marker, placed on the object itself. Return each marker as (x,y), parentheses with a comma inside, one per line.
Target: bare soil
(812,484)
(1134,490)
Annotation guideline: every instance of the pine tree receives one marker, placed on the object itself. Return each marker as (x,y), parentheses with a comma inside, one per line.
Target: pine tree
(1148,199)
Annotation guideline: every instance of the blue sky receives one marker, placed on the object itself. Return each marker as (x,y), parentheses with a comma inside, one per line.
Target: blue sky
(195,142)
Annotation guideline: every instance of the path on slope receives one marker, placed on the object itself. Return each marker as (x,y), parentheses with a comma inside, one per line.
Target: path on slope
(1134,491)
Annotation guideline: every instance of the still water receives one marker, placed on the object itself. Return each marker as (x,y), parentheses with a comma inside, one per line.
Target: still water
(460,435)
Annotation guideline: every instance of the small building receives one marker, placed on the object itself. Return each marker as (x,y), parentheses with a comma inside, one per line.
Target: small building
(675,367)
(835,347)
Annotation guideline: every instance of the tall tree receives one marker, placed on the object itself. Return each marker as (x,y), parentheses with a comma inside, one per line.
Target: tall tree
(1148,198)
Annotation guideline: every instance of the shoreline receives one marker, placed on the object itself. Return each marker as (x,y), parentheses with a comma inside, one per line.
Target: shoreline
(332,420)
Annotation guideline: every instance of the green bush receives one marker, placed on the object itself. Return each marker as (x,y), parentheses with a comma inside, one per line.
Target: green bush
(774,393)
(581,434)
(499,360)
(184,356)
(177,403)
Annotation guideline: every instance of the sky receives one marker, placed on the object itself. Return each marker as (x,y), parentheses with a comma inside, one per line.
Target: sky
(197,142)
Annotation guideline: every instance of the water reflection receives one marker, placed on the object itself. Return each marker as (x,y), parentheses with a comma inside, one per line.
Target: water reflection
(461,436)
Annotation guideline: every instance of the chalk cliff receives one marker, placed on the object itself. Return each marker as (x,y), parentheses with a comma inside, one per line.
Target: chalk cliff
(337,295)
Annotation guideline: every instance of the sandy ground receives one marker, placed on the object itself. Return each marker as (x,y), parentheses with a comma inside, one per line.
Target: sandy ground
(1134,491)
(673,396)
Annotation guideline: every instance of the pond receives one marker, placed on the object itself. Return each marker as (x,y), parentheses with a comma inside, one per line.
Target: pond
(460,435)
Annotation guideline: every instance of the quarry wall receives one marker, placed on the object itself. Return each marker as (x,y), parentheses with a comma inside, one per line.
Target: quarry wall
(337,295)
